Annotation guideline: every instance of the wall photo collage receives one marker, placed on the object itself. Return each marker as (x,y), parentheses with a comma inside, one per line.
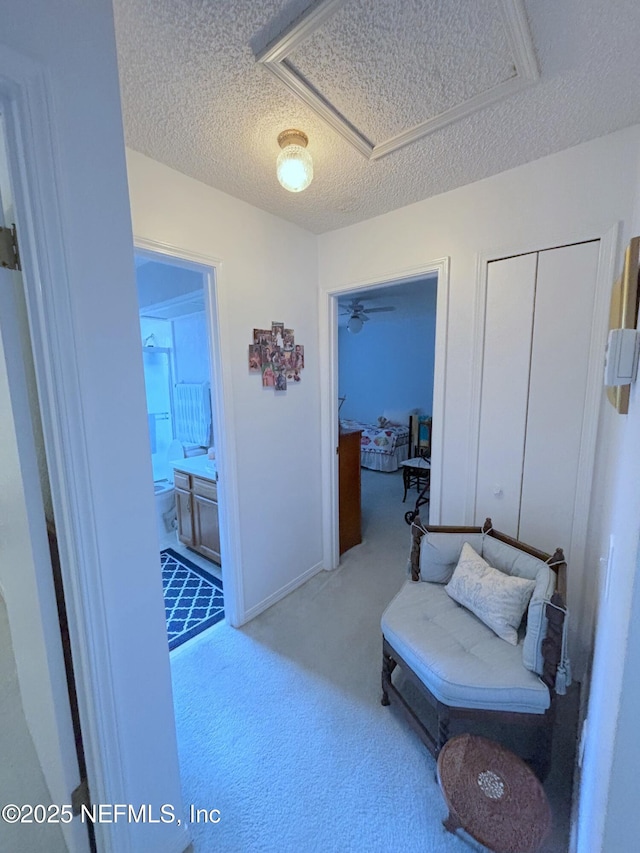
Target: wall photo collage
(276,356)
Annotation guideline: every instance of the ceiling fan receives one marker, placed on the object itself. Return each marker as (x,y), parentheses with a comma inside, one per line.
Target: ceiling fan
(358,314)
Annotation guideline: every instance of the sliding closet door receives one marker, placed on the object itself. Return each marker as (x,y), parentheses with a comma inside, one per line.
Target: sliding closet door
(565,293)
(505,380)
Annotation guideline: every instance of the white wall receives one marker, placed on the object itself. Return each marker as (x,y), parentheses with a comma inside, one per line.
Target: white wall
(74,45)
(191,348)
(577,194)
(268,272)
(21,777)
(609,816)
(160,329)
(389,364)
(26,581)
(158,282)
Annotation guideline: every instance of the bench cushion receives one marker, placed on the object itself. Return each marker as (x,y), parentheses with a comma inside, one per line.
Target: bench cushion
(460,661)
(515,562)
(439,554)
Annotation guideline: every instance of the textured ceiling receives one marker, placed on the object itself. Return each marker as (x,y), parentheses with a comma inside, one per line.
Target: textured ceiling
(195,98)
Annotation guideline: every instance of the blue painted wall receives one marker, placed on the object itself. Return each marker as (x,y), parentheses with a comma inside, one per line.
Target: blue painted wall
(389,365)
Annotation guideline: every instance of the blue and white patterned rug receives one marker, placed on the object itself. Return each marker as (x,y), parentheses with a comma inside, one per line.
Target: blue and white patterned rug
(192,598)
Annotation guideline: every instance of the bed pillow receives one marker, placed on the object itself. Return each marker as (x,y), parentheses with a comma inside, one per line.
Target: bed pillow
(398,417)
(497,599)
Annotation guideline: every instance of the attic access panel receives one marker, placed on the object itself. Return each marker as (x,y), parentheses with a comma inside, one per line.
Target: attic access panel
(386,74)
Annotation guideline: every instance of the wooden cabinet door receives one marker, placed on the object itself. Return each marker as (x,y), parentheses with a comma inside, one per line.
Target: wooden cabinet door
(185,516)
(206,527)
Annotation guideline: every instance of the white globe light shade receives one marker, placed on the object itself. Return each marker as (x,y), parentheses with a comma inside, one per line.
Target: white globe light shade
(354,325)
(294,168)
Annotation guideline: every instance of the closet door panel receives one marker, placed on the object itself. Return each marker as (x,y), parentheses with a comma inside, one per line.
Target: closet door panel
(505,377)
(565,293)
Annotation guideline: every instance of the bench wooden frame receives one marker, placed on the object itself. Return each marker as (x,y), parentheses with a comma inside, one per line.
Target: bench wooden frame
(445,714)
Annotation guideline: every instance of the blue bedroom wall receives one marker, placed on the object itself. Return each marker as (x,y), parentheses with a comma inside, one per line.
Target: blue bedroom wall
(389,364)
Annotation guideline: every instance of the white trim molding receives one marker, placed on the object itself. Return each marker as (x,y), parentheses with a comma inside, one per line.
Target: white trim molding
(328,311)
(281,593)
(275,58)
(223,419)
(31,126)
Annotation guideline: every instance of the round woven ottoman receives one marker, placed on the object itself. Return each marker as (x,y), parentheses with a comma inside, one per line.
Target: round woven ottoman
(492,795)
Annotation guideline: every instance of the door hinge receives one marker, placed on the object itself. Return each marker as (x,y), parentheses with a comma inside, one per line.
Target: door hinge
(80,797)
(9,254)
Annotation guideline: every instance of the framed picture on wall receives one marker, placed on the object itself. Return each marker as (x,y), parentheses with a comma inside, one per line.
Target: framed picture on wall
(276,356)
(262,336)
(268,376)
(255,358)
(277,334)
(289,340)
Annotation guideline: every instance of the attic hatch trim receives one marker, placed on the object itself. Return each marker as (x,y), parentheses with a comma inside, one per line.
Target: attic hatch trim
(274,58)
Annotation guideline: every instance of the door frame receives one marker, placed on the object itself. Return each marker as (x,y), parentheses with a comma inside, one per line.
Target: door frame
(328,315)
(222,415)
(36,177)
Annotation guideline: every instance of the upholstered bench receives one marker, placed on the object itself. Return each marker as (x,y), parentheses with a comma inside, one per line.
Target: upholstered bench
(459,664)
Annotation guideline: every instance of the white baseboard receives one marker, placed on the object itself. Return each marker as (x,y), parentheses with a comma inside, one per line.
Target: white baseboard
(282,592)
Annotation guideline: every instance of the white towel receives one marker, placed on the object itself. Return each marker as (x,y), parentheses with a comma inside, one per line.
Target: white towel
(192,410)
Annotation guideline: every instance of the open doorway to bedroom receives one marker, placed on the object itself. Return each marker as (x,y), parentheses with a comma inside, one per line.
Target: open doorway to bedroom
(386,354)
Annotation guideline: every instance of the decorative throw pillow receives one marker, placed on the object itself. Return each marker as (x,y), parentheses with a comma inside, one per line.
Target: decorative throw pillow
(498,599)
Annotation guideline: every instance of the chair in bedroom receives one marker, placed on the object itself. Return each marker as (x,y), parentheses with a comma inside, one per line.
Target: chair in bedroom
(416,471)
(453,661)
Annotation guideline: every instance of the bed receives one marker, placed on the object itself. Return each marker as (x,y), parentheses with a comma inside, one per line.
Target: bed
(382,448)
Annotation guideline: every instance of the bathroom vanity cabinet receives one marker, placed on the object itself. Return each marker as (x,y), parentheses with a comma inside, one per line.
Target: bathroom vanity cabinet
(197,511)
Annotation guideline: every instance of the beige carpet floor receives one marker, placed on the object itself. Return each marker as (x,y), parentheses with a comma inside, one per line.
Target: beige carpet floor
(280,725)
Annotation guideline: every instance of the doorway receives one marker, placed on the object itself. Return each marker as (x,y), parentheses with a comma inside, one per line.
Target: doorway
(178,337)
(42,733)
(386,352)
(396,292)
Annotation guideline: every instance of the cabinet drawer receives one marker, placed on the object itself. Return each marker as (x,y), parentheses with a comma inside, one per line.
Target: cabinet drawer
(182,481)
(205,488)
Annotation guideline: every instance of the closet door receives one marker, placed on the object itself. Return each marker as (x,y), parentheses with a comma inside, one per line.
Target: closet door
(565,293)
(505,381)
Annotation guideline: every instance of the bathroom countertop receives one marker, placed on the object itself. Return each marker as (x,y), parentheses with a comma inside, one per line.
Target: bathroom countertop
(201,466)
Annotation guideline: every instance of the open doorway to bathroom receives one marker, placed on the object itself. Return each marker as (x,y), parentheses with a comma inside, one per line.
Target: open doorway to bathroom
(176,352)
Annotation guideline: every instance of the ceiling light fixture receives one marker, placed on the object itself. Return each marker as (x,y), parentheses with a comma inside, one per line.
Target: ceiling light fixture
(355,324)
(294,165)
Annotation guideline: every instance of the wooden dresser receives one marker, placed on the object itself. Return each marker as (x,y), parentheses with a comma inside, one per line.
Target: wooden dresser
(349,489)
